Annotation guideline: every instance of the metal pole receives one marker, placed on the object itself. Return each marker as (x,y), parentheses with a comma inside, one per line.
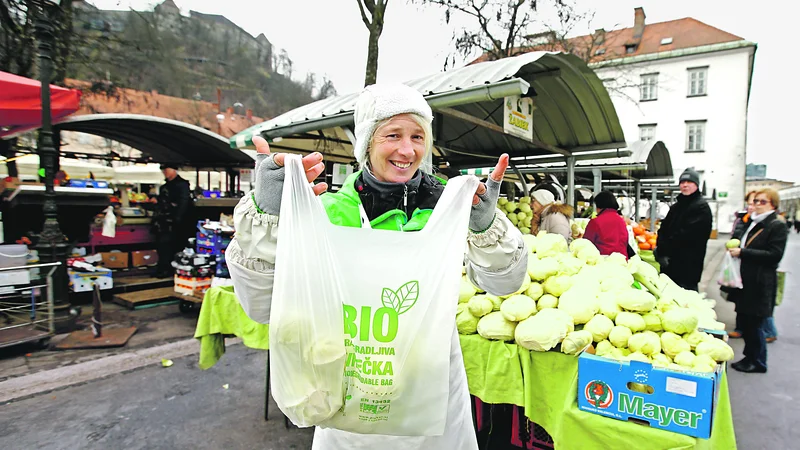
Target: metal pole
(653,209)
(571,180)
(638,188)
(522,180)
(598,175)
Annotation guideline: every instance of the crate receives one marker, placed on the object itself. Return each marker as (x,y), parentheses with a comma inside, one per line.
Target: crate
(191,285)
(682,402)
(115,260)
(85,281)
(214,244)
(144,258)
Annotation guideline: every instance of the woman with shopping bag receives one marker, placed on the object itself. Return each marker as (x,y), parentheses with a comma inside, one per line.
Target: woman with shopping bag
(761,250)
(405,385)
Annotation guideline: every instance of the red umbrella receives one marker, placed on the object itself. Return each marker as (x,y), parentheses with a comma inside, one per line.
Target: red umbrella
(21,103)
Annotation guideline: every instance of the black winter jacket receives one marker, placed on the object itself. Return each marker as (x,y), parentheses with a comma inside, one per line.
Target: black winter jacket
(682,239)
(760,257)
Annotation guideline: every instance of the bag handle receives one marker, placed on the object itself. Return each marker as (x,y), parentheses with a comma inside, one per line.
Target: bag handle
(749,241)
(455,202)
(298,198)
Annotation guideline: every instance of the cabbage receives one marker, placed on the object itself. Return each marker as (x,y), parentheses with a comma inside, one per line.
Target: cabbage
(695,337)
(589,255)
(466,323)
(460,307)
(631,320)
(617,259)
(466,291)
(557,285)
(716,349)
(502,201)
(685,359)
(541,269)
(703,367)
(579,244)
(518,308)
(547,301)
(705,361)
(325,351)
(570,265)
(638,356)
(524,200)
(557,315)
(510,207)
(652,322)
(608,305)
(672,344)
(521,216)
(535,291)
(636,300)
(530,242)
(480,305)
(539,333)
(578,302)
(576,342)
(615,285)
(525,230)
(600,326)
(647,343)
(679,320)
(619,336)
(550,244)
(603,348)
(496,301)
(660,359)
(494,326)
(524,207)
(512,217)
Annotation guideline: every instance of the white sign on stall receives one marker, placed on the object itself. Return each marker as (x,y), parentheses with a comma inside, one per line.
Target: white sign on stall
(341,172)
(518,116)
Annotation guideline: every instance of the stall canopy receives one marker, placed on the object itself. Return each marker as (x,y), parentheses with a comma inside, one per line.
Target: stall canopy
(572,113)
(21,103)
(162,140)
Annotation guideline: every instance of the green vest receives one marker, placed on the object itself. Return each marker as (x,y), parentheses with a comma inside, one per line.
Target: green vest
(342,209)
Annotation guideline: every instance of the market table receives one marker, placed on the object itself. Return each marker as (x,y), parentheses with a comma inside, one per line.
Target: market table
(543,383)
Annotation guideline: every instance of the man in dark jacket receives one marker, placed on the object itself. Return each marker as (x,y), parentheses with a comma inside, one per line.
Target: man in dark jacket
(170,219)
(684,233)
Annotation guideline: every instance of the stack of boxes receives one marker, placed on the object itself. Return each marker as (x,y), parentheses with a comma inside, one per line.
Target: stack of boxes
(195,269)
(212,239)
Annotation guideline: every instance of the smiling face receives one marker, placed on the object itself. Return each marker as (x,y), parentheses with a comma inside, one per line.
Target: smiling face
(397,149)
(688,187)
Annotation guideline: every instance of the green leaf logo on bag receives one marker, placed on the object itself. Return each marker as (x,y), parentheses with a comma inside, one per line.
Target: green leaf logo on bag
(403,299)
(381,325)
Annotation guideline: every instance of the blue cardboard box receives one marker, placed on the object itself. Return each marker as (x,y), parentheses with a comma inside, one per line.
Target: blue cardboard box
(683,402)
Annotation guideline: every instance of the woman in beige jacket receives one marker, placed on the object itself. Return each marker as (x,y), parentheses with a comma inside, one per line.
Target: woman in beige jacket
(550,216)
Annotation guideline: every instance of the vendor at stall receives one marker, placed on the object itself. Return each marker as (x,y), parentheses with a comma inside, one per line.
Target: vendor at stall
(608,231)
(170,223)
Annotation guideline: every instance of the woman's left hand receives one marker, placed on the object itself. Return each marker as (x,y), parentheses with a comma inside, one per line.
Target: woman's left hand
(735,252)
(485,199)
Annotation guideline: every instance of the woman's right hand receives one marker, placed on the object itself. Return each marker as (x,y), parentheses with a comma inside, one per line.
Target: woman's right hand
(270,174)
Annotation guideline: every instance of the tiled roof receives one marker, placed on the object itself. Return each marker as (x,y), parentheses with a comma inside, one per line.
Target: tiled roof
(130,101)
(685,33)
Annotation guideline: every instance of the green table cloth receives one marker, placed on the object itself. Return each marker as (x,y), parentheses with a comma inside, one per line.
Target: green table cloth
(550,381)
(543,383)
(221,315)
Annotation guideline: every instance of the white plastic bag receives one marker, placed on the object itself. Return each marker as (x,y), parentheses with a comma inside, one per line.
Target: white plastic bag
(730,274)
(110,223)
(389,373)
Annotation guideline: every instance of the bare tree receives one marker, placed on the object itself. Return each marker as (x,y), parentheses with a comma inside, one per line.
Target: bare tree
(377,10)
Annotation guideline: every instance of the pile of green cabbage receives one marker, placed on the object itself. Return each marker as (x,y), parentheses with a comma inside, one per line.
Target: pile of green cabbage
(573,297)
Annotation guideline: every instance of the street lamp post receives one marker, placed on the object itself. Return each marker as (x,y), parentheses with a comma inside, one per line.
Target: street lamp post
(52,245)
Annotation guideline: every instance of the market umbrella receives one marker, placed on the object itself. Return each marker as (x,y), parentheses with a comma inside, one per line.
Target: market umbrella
(21,104)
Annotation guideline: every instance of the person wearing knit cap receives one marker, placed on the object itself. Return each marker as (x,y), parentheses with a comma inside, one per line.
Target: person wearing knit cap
(684,234)
(171,222)
(394,190)
(608,231)
(549,215)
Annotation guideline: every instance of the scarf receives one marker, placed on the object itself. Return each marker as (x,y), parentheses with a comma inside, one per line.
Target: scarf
(754,219)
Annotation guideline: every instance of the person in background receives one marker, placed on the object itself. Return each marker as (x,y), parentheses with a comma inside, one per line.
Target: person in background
(797,221)
(550,216)
(761,250)
(608,231)
(739,227)
(684,234)
(171,218)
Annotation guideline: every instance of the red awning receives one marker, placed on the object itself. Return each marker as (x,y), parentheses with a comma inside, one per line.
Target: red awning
(21,104)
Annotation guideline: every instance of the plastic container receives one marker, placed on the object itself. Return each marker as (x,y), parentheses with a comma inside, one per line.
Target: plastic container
(13,255)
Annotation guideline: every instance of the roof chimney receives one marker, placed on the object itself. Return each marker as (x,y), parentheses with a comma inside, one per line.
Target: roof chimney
(599,35)
(638,22)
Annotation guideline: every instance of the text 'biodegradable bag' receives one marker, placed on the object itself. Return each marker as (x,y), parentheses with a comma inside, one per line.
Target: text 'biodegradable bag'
(362,319)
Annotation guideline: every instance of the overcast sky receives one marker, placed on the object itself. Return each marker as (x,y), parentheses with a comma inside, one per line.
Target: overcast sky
(327,37)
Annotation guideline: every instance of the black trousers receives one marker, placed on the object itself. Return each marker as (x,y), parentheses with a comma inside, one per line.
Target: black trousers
(167,247)
(755,344)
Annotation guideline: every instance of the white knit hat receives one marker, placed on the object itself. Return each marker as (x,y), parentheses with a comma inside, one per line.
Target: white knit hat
(382,101)
(543,196)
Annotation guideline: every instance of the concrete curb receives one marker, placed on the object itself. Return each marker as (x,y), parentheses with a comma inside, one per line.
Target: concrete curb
(49,380)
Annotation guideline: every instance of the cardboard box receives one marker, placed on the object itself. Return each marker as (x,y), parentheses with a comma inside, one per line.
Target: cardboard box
(84,281)
(115,260)
(15,277)
(141,258)
(192,285)
(683,402)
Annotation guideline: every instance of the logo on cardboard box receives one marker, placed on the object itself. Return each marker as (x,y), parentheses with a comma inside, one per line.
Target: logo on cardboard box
(599,394)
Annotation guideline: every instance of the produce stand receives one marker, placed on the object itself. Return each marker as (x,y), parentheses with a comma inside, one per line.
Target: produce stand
(543,383)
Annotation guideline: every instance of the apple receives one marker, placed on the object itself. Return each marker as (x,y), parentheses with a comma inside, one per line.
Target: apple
(733,243)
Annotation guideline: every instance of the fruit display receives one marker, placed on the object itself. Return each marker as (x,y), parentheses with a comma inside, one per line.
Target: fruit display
(575,298)
(519,213)
(645,239)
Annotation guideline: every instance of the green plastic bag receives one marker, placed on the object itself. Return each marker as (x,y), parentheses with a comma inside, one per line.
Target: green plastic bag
(781,284)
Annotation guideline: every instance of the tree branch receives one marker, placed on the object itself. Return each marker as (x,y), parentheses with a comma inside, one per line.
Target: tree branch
(363,14)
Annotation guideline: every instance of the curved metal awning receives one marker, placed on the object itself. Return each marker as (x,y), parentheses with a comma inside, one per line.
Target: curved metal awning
(161,140)
(573,113)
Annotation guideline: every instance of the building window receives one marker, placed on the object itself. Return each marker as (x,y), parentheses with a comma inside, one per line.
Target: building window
(630,48)
(647,132)
(648,90)
(695,136)
(698,81)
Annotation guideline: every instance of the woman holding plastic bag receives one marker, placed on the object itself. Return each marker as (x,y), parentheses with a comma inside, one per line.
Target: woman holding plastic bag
(395,191)
(761,250)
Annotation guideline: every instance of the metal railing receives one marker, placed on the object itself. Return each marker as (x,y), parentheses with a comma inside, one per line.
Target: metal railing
(9,309)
